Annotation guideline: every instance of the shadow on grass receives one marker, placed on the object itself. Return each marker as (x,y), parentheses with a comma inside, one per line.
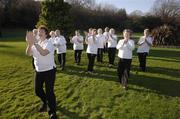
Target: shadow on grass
(5,46)
(166,60)
(99,74)
(165,71)
(165,53)
(69,114)
(158,85)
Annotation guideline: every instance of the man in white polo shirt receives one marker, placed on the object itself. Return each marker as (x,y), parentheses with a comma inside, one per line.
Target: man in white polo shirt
(43,54)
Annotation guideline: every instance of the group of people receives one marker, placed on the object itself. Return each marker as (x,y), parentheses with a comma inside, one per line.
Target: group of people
(43,48)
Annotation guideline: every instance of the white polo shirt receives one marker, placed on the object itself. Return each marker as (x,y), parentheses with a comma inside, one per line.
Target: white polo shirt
(125,50)
(101,40)
(112,41)
(60,42)
(52,40)
(44,63)
(78,43)
(92,45)
(144,47)
(106,34)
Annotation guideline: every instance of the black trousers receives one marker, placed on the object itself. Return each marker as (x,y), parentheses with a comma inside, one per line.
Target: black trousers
(91,59)
(142,60)
(123,70)
(62,59)
(77,56)
(111,55)
(100,55)
(47,96)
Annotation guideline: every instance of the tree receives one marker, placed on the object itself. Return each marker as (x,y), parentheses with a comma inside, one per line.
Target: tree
(24,16)
(1,16)
(136,13)
(21,13)
(150,21)
(168,10)
(55,15)
(85,3)
(6,6)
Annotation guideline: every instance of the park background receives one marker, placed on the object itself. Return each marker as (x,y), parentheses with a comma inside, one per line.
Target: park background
(154,94)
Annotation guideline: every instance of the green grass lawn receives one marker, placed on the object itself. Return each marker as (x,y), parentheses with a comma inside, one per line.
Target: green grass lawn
(151,95)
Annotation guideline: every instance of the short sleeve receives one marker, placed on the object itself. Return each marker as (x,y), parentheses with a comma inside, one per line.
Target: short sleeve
(49,46)
(150,40)
(141,40)
(115,37)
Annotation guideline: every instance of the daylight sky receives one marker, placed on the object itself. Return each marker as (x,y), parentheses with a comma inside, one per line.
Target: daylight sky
(130,5)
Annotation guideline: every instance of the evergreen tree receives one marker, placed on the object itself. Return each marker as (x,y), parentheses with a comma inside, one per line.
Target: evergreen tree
(55,15)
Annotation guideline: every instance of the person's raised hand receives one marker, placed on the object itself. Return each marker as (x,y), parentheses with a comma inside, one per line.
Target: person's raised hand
(30,38)
(125,41)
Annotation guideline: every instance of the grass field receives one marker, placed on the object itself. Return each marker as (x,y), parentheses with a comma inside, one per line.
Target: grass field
(151,95)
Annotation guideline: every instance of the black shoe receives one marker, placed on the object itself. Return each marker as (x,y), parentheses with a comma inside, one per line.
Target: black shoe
(43,108)
(53,116)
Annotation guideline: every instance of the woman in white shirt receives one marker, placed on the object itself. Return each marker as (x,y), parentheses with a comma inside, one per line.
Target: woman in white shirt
(60,44)
(144,45)
(91,50)
(78,46)
(125,47)
(106,34)
(101,43)
(112,42)
(53,37)
(43,54)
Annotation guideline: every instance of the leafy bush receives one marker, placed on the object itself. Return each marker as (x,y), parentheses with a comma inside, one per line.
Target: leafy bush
(165,35)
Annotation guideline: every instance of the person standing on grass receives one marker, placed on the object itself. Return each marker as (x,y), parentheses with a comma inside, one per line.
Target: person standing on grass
(92,42)
(106,34)
(45,69)
(144,44)
(101,43)
(60,43)
(78,47)
(125,47)
(112,42)
(53,37)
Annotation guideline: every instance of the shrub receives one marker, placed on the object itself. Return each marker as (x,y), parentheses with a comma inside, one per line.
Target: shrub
(165,35)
